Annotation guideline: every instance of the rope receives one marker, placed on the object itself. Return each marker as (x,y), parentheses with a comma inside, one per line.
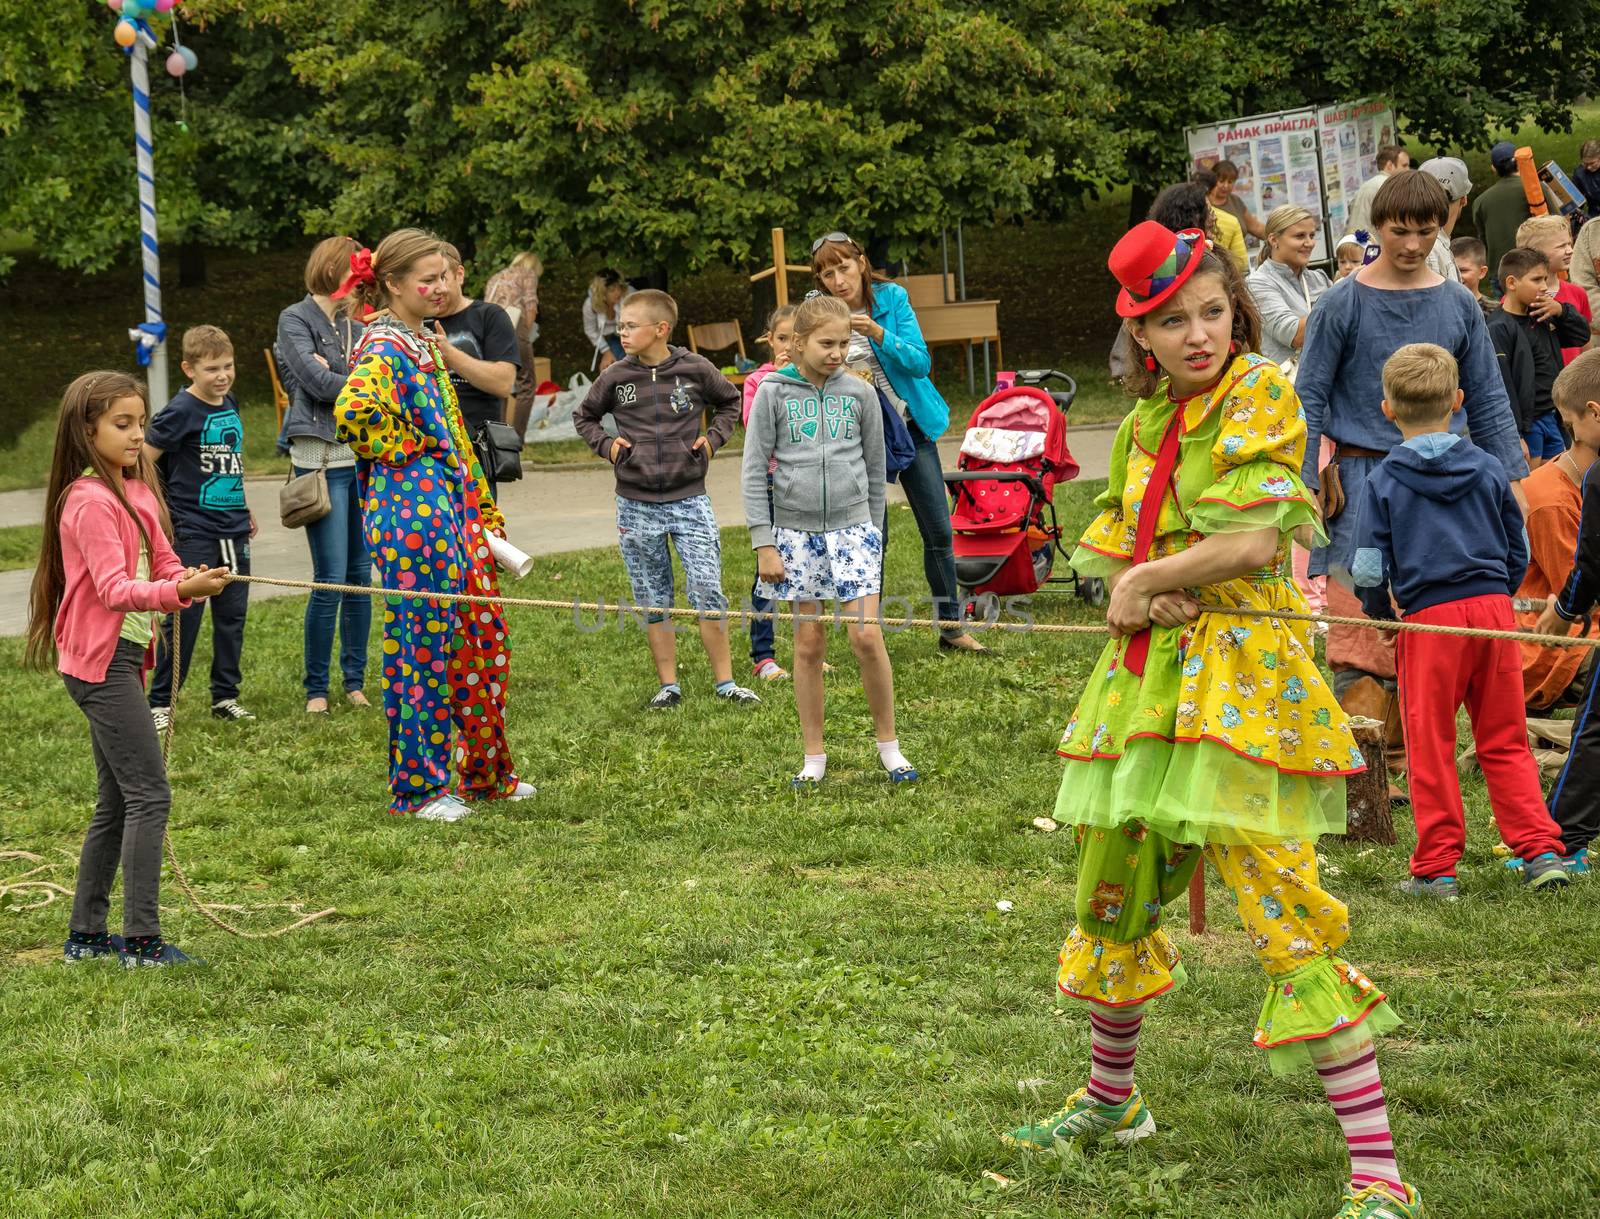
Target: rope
(25,882)
(172,852)
(1049,628)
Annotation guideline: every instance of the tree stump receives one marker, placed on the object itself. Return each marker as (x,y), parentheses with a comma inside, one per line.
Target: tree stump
(1369,817)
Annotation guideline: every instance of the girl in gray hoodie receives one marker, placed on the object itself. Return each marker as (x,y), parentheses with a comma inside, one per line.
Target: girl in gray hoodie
(823,541)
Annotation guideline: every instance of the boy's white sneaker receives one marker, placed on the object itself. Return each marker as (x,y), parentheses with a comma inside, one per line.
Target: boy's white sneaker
(522,791)
(162,718)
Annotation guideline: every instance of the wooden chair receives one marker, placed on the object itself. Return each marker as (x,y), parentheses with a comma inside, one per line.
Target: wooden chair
(719,336)
(280,397)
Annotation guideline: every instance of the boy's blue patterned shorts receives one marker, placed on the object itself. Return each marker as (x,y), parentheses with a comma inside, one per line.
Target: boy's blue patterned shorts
(642,533)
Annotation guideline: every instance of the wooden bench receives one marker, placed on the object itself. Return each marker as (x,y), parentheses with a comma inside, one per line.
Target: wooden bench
(946,321)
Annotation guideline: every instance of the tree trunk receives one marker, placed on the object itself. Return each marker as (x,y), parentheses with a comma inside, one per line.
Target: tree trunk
(1139,203)
(1370,818)
(191,264)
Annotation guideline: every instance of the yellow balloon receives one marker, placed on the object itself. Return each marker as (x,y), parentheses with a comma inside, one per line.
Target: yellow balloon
(125,34)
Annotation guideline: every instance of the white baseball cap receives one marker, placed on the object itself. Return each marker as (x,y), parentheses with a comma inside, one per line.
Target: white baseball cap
(1452,175)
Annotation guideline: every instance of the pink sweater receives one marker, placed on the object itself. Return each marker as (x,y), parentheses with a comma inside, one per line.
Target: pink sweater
(751,384)
(100,554)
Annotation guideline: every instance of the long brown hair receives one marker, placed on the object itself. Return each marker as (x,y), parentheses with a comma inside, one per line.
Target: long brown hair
(86,400)
(396,254)
(1141,382)
(831,252)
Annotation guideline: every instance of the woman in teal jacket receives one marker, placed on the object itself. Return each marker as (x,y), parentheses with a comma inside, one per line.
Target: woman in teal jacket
(886,340)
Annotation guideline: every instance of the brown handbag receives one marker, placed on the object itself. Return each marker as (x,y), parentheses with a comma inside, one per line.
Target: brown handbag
(1332,490)
(303,500)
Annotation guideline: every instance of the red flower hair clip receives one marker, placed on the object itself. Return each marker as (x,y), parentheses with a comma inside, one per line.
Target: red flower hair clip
(360,273)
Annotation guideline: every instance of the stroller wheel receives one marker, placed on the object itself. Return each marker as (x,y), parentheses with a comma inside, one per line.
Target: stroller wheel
(1093,590)
(985,608)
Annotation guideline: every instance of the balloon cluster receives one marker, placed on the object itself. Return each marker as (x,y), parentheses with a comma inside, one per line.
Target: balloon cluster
(137,13)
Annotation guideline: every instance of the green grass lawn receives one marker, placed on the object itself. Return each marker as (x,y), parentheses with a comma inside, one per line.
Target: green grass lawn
(19,547)
(668,987)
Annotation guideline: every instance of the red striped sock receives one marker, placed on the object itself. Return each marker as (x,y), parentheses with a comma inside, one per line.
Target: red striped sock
(1113,1042)
(1356,1094)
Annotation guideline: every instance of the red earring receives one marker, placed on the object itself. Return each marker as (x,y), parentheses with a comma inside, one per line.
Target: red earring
(1233,347)
(1149,362)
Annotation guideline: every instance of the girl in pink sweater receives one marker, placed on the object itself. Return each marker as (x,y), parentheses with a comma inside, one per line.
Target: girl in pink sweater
(106,568)
(763,633)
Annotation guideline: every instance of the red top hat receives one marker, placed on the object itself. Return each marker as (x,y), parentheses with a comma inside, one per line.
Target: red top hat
(1151,262)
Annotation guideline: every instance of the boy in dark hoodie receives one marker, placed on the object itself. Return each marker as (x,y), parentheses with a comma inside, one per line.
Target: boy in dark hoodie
(658,394)
(1529,332)
(1438,527)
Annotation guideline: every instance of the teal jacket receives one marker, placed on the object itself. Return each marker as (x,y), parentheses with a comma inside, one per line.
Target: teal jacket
(905,359)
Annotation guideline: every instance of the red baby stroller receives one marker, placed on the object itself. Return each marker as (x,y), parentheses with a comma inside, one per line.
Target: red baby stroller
(1014,453)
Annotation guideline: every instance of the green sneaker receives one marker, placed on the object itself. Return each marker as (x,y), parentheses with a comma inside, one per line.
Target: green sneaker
(1088,1121)
(1378,1201)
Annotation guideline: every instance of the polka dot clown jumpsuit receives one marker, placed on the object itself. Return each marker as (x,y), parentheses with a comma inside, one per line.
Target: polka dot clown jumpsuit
(425,510)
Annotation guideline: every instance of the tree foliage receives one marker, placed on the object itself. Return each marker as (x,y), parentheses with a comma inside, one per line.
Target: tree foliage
(677,132)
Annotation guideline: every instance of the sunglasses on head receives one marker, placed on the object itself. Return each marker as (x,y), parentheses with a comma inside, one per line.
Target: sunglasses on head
(840,238)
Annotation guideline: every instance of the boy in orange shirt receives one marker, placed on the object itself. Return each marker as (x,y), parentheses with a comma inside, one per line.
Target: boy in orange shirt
(1555,676)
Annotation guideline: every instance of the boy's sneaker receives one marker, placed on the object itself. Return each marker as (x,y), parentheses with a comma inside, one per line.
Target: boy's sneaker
(162,718)
(666,698)
(738,694)
(1378,1201)
(1440,888)
(1544,872)
(229,709)
(1088,1121)
(771,670)
(523,791)
(161,954)
(73,951)
(443,808)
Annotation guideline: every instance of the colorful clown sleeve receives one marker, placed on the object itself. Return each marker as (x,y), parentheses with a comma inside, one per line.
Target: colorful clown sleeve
(370,415)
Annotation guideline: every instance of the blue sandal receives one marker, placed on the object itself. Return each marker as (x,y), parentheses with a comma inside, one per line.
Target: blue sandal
(802,784)
(904,774)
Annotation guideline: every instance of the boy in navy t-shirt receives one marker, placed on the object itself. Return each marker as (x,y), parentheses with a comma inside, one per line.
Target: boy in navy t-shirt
(1438,530)
(198,441)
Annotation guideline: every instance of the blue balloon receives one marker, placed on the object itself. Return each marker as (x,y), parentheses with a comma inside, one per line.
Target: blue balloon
(133,8)
(189,58)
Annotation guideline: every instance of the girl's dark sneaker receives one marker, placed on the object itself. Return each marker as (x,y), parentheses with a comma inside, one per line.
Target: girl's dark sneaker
(162,953)
(73,951)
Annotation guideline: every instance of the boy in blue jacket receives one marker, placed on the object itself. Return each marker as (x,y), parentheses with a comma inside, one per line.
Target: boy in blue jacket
(1438,528)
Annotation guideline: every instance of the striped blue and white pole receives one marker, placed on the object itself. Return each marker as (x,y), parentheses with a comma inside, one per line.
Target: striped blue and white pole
(151,337)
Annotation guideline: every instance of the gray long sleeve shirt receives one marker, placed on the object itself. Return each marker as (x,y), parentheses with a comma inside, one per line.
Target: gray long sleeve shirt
(1354,329)
(829,447)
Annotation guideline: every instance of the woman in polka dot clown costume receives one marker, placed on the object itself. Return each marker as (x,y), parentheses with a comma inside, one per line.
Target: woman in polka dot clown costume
(425,507)
(1207,735)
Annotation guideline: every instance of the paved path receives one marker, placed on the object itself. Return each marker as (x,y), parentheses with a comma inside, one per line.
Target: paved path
(548,512)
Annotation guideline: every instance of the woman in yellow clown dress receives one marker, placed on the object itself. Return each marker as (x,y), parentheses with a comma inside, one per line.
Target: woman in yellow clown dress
(1202,734)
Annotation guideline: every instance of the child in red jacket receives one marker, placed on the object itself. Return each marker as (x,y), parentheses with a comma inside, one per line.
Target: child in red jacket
(106,568)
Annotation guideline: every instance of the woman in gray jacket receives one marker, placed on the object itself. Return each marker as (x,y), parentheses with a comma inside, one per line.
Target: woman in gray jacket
(1283,286)
(313,351)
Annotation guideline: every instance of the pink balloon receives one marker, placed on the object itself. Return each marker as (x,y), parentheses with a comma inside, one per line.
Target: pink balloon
(166,6)
(114,5)
(176,66)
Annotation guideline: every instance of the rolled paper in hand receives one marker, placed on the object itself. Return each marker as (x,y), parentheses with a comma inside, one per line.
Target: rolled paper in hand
(509,557)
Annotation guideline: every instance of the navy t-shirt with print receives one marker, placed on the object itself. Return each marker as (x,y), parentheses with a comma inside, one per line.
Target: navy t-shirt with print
(202,466)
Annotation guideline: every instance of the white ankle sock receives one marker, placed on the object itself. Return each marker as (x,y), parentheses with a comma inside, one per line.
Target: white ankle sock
(891,757)
(815,768)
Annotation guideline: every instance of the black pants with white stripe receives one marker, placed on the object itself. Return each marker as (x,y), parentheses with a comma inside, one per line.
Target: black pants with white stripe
(1575,798)
(227,621)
